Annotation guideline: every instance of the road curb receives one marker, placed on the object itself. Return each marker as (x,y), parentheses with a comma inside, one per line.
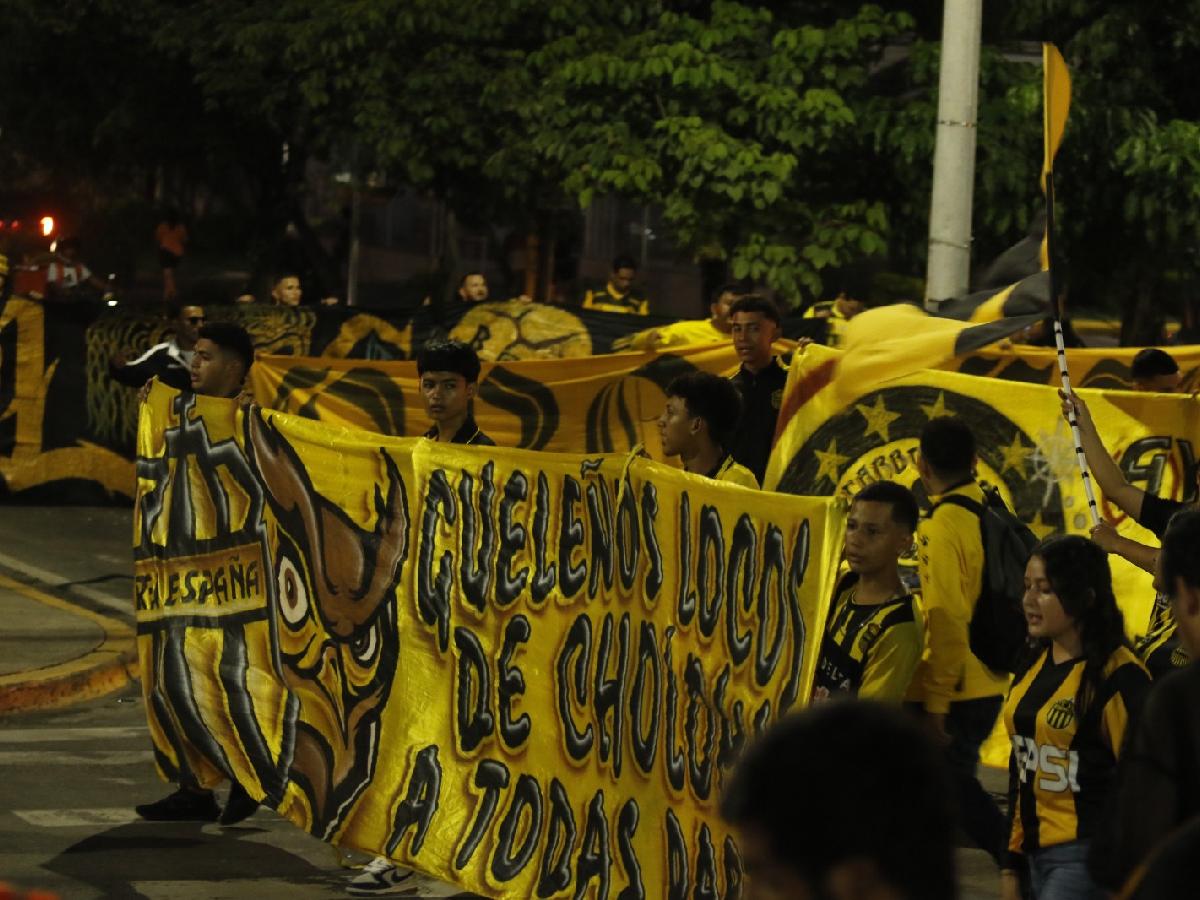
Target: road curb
(106,668)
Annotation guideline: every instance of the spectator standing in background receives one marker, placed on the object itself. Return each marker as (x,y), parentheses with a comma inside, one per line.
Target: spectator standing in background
(171,235)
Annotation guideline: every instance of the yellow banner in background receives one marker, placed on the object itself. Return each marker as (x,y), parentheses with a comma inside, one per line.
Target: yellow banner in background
(523,673)
(600,404)
(836,442)
(1096,367)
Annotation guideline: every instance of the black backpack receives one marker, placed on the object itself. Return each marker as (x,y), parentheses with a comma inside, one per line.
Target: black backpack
(997,634)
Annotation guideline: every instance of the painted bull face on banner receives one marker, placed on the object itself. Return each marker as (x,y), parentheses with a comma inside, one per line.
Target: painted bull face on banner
(335,583)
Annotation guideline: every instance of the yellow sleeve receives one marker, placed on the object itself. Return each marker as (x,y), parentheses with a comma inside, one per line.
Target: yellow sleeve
(643,308)
(588,300)
(943,561)
(891,662)
(738,474)
(1130,684)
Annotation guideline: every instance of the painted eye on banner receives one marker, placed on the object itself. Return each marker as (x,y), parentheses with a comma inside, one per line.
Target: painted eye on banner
(293,594)
(365,645)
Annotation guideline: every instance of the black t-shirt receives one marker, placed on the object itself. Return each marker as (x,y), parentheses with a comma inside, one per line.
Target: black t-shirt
(762,394)
(1158,782)
(1156,513)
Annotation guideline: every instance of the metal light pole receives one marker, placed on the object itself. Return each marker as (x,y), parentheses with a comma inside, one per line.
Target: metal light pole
(949,269)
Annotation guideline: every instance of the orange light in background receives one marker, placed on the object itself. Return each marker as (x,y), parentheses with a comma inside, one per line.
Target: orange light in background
(47,223)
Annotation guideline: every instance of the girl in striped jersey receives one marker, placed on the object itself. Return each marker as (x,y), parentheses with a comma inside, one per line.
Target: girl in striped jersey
(1066,715)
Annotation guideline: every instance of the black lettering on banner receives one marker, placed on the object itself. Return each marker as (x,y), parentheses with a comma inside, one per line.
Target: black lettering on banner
(595,857)
(627,823)
(766,657)
(686,604)
(1151,473)
(237,582)
(556,872)
(433,595)
(610,692)
(600,513)
(629,545)
(491,777)
(654,571)
(645,743)
(743,555)
(762,719)
(475,719)
(579,641)
(710,568)
(189,586)
(512,684)
(795,580)
(420,803)
(678,877)
(1188,470)
(699,771)
(733,727)
(733,870)
(676,760)
(570,537)
(506,864)
(706,868)
(512,541)
(476,564)
(544,574)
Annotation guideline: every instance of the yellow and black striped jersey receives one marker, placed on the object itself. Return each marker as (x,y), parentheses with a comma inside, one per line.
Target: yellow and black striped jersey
(868,650)
(1062,770)
(1159,648)
(609,299)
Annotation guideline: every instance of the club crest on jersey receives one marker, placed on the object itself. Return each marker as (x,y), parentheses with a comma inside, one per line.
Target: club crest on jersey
(1061,714)
(870,635)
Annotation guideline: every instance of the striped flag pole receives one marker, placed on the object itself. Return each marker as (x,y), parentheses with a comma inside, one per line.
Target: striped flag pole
(1056,304)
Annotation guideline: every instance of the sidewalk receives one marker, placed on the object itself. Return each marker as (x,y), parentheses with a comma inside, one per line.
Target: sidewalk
(66,621)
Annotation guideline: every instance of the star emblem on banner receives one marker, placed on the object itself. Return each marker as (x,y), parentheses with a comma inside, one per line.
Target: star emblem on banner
(878,417)
(1014,456)
(1040,527)
(937,409)
(830,462)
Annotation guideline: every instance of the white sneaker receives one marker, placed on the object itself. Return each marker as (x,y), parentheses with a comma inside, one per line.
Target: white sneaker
(380,876)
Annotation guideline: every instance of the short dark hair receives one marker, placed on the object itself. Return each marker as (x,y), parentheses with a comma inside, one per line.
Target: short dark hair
(904,505)
(231,338)
(891,807)
(713,399)
(756,303)
(462,281)
(948,447)
(1179,557)
(729,287)
(449,356)
(1151,362)
(624,261)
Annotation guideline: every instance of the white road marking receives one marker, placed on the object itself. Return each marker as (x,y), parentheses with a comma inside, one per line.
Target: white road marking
(77,818)
(56,735)
(84,758)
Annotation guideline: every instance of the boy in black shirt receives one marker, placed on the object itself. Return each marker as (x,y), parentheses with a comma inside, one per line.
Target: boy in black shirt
(755,325)
(449,376)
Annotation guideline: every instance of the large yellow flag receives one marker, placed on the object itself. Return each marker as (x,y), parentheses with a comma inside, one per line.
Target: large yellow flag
(1056,103)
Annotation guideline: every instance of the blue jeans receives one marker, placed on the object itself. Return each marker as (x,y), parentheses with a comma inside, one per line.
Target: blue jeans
(1060,873)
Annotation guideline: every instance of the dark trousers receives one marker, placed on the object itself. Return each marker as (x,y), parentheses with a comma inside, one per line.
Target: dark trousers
(969,723)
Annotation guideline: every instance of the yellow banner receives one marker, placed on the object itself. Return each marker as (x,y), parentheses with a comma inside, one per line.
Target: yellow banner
(523,673)
(1097,367)
(600,404)
(837,442)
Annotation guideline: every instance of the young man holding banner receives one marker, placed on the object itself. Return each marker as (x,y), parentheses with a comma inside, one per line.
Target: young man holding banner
(874,635)
(960,695)
(755,324)
(697,424)
(449,380)
(220,362)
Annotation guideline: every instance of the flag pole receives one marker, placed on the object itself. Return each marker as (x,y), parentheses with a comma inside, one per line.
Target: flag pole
(1056,305)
